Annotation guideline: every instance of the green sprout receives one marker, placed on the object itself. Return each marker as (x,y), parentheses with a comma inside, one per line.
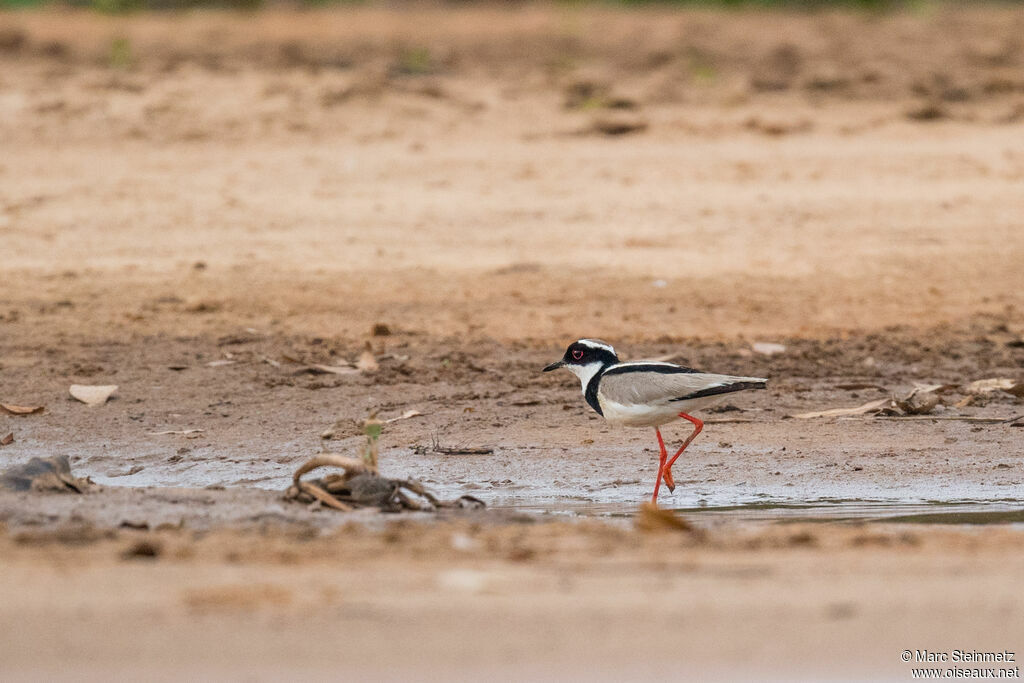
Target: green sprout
(120,53)
(416,62)
(372,427)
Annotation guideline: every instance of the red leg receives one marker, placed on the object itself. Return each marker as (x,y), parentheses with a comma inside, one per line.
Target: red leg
(661,465)
(667,469)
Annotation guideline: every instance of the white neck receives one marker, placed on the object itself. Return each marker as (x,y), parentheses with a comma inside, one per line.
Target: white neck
(585,372)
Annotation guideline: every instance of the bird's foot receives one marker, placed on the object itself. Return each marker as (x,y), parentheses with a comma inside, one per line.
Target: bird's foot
(669,481)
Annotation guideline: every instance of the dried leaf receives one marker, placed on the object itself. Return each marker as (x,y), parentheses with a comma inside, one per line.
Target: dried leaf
(918,401)
(93,395)
(856,386)
(767,348)
(134,469)
(985,386)
(7,440)
(840,412)
(404,416)
(317,369)
(954,418)
(21,410)
(366,362)
(922,388)
(459,450)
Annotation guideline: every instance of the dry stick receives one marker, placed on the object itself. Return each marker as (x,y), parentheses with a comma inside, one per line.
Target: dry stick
(445,450)
(321,495)
(335,485)
(330,460)
(965,418)
(408,502)
(326,460)
(418,489)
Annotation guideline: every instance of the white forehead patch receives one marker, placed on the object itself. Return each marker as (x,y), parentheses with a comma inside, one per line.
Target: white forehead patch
(596,344)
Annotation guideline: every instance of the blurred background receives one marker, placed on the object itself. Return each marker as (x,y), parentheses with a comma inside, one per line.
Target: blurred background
(639,169)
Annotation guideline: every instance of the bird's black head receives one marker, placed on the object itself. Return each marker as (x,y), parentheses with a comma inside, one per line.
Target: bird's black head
(585,352)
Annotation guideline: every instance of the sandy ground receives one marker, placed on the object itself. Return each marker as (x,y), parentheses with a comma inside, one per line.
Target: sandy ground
(261,192)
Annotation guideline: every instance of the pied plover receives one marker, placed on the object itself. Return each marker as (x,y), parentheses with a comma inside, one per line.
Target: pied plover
(647,393)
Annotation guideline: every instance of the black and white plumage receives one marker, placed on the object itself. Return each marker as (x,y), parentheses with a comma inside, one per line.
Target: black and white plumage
(647,393)
(644,393)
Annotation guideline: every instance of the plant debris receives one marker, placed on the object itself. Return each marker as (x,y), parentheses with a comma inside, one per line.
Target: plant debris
(917,402)
(93,395)
(1012,421)
(361,486)
(404,416)
(7,440)
(909,404)
(986,386)
(44,474)
(344,426)
(767,348)
(318,369)
(436,447)
(134,469)
(922,400)
(868,407)
(21,410)
(366,362)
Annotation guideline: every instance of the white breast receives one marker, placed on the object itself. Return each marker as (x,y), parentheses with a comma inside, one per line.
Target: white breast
(651,415)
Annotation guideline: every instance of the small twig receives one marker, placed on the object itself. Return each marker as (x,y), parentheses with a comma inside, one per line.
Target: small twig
(321,495)
(445,450)
(350,465)
(436,447)
(418,489)
(408,503)
(960,418)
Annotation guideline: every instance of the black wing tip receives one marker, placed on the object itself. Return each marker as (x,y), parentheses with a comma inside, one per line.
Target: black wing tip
(724,389)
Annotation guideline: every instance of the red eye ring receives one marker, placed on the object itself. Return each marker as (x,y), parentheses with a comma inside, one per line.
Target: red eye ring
(577,354)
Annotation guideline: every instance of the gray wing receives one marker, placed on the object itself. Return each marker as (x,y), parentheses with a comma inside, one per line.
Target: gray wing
(639,383)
